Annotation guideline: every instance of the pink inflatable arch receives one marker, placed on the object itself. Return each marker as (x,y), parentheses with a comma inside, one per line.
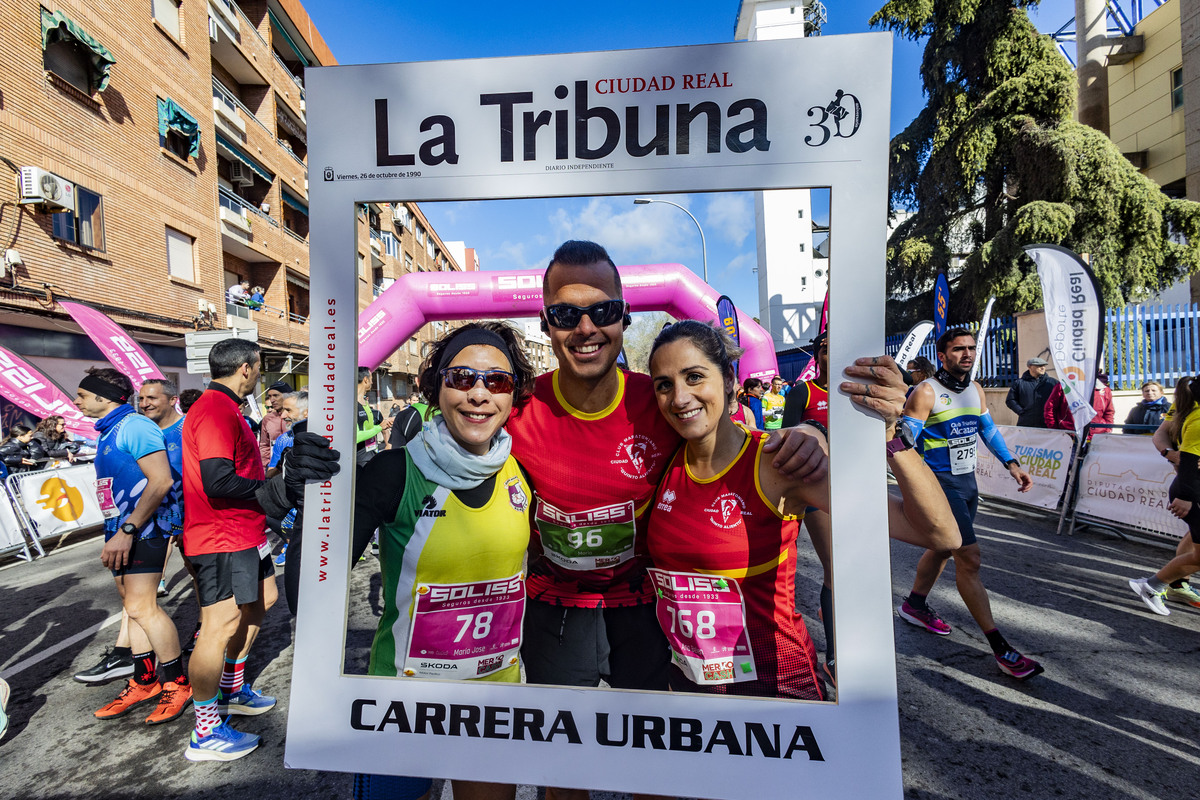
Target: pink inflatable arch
(418,298)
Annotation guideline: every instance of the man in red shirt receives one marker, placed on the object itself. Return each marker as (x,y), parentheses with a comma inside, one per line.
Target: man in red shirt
(224,540)
(595,445)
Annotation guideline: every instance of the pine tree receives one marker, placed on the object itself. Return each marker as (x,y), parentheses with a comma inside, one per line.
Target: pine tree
(995,161)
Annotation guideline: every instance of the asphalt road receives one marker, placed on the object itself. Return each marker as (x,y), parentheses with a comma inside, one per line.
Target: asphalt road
(1114,716)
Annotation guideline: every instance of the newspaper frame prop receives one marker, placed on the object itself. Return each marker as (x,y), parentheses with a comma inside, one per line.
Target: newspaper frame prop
(791,113)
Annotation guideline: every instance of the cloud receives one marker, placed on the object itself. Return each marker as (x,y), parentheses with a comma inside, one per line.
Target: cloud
(741,263)
(730,217)
(654,233)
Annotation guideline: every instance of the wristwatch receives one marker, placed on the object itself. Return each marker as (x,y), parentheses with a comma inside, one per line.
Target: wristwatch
(1163,452)
(129,528)
(903,440)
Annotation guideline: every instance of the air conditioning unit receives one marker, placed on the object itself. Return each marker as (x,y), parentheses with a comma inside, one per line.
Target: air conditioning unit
(240,174)
(213,30)
(40,186)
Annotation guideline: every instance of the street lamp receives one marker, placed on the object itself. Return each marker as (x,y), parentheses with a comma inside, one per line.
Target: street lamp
(641,201)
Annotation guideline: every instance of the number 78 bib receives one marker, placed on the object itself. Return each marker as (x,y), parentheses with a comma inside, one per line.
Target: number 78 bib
(704,620)
(465,630)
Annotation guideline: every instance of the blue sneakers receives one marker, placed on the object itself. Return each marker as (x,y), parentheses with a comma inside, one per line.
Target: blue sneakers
(223,744)
(245,701)
(281,559)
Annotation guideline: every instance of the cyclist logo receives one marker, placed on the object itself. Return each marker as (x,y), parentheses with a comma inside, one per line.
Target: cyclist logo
(636,456)
(727,511)
(61,499)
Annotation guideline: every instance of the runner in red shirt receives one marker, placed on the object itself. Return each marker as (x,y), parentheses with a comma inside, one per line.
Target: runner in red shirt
(723,530)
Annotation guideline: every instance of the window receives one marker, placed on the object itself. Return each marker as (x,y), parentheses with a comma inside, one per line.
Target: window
(1177,89)
(181,255)
(408,267)
(362,265)
(85,225)
(167,14)
(429,248)
(178,131)
(74,56)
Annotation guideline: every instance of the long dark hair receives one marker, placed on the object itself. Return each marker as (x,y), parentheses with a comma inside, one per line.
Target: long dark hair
(49,427)
(1185,403)
(16,431)
(713,342)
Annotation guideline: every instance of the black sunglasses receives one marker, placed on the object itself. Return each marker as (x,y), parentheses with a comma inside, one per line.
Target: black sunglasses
(564,315)
(496,381)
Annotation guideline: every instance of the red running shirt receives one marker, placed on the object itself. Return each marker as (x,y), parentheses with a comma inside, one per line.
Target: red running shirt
(817,406)
(725,526)
(215,428)
(594,476)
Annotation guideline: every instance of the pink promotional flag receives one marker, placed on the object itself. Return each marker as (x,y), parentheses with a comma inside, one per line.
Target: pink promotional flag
(810,369)
(23,385)
(118,346)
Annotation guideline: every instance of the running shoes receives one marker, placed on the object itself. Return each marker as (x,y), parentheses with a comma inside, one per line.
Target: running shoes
(162,588)
(1019,666)
(1184,593)
(1153,600)
(925,618)
(111,666)
(223,744)
(281,559)
(245,702)
(173,701)
(133,695)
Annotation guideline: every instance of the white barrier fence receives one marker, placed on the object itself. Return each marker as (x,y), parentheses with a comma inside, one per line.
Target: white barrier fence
(46,503)
(1045,454)
(1122,480)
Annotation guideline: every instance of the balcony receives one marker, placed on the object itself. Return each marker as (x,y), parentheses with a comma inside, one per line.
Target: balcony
(228,118)
(238,217)
(224,13)
(229,48)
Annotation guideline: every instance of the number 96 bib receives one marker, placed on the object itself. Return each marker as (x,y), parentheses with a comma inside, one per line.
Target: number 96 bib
(598,538)
(704,620)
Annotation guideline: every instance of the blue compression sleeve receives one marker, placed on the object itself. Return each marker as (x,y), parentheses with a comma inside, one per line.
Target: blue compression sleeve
(914,426)
(992,438)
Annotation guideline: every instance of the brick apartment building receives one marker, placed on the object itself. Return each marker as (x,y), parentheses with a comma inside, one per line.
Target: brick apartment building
(175,136)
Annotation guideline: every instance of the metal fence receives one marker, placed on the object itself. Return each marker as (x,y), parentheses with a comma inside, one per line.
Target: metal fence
(1151,342)
(997,359)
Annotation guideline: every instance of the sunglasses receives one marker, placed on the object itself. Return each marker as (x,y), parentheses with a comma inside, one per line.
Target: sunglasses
(496,381)
(564,315)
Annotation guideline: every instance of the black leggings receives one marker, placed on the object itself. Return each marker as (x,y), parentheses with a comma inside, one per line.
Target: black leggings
(1193,517)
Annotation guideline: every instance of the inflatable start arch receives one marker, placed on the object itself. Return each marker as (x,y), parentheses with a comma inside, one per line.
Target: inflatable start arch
(418,298)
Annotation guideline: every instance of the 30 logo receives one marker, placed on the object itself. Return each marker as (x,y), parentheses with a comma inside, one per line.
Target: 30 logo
(838,112)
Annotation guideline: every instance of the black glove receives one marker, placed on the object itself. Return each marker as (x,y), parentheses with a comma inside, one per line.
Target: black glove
(310,458)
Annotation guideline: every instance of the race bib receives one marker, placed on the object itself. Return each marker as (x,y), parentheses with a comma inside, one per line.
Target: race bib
(962,454)
(598,538)
(104,497)
(704,620)
(465,630)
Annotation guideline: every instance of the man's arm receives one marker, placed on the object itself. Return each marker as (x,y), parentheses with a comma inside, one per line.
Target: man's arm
(994,441)
(156,468)
(1012,400)
(220,479)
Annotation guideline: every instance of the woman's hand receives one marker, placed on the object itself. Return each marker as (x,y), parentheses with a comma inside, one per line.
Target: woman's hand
(1180,508)
(1173,457)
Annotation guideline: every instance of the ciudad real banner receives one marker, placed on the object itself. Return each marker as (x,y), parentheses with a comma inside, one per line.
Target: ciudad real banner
(732,117)
(1044,454)
(1124,480)
(1074,324)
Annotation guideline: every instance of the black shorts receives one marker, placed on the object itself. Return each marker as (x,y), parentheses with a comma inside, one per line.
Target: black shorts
(220,576)
(568,646)
(146,557)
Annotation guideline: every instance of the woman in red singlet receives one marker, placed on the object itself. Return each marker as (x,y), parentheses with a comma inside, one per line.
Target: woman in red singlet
(723,530)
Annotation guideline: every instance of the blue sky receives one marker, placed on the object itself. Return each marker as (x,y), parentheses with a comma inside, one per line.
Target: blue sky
(515,234)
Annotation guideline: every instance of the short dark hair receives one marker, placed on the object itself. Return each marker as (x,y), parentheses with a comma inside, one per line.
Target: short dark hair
(431,381)
(712,341)
(577,253)
(228,355)
(168,386)
(187,397)
(112,376)
(751,383)
(363,372)
(925,365)
(949,336)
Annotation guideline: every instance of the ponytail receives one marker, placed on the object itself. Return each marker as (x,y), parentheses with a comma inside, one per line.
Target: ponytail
(1185,403)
